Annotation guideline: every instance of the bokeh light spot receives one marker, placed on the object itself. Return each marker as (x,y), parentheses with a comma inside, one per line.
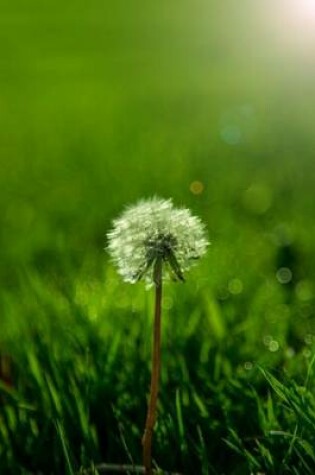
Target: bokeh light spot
(231,134)
(167,303)
(235,286)
(290,352)
(304,290)
(267,340)
(257,198)
(196,187)
(284,275)
(273,346)
(248,365)
(309,339)
(307,353)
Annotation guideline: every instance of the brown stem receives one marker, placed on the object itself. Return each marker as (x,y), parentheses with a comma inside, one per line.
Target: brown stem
(113,468)
(156,367)
(5,369)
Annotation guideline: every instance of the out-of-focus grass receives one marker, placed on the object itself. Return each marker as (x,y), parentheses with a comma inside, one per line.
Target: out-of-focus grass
(104,104)
(81,372)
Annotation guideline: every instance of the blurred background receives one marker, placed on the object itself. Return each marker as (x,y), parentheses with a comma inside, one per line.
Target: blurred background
(101,103)
(211,103)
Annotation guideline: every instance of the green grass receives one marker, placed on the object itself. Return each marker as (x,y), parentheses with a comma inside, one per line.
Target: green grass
(81,355)
(102,105)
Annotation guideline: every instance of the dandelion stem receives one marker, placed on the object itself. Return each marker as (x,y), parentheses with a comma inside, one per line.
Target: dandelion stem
(156,368)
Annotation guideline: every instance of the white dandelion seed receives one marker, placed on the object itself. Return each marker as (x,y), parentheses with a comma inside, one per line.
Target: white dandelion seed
(147,239)
(154,231)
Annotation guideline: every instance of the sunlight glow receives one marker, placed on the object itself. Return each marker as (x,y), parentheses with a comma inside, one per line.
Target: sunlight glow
(295,21)
(304,11)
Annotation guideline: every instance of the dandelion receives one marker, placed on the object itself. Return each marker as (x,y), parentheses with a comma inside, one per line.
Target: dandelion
(153,231)
(153,240)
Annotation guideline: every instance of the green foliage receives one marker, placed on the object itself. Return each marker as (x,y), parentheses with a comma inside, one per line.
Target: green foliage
(101,106)
(81,375)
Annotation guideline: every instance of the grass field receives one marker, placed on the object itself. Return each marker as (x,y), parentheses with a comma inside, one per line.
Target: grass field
(211,104)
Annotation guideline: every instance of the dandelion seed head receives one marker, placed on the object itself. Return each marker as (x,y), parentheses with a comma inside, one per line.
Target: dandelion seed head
(154,229)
